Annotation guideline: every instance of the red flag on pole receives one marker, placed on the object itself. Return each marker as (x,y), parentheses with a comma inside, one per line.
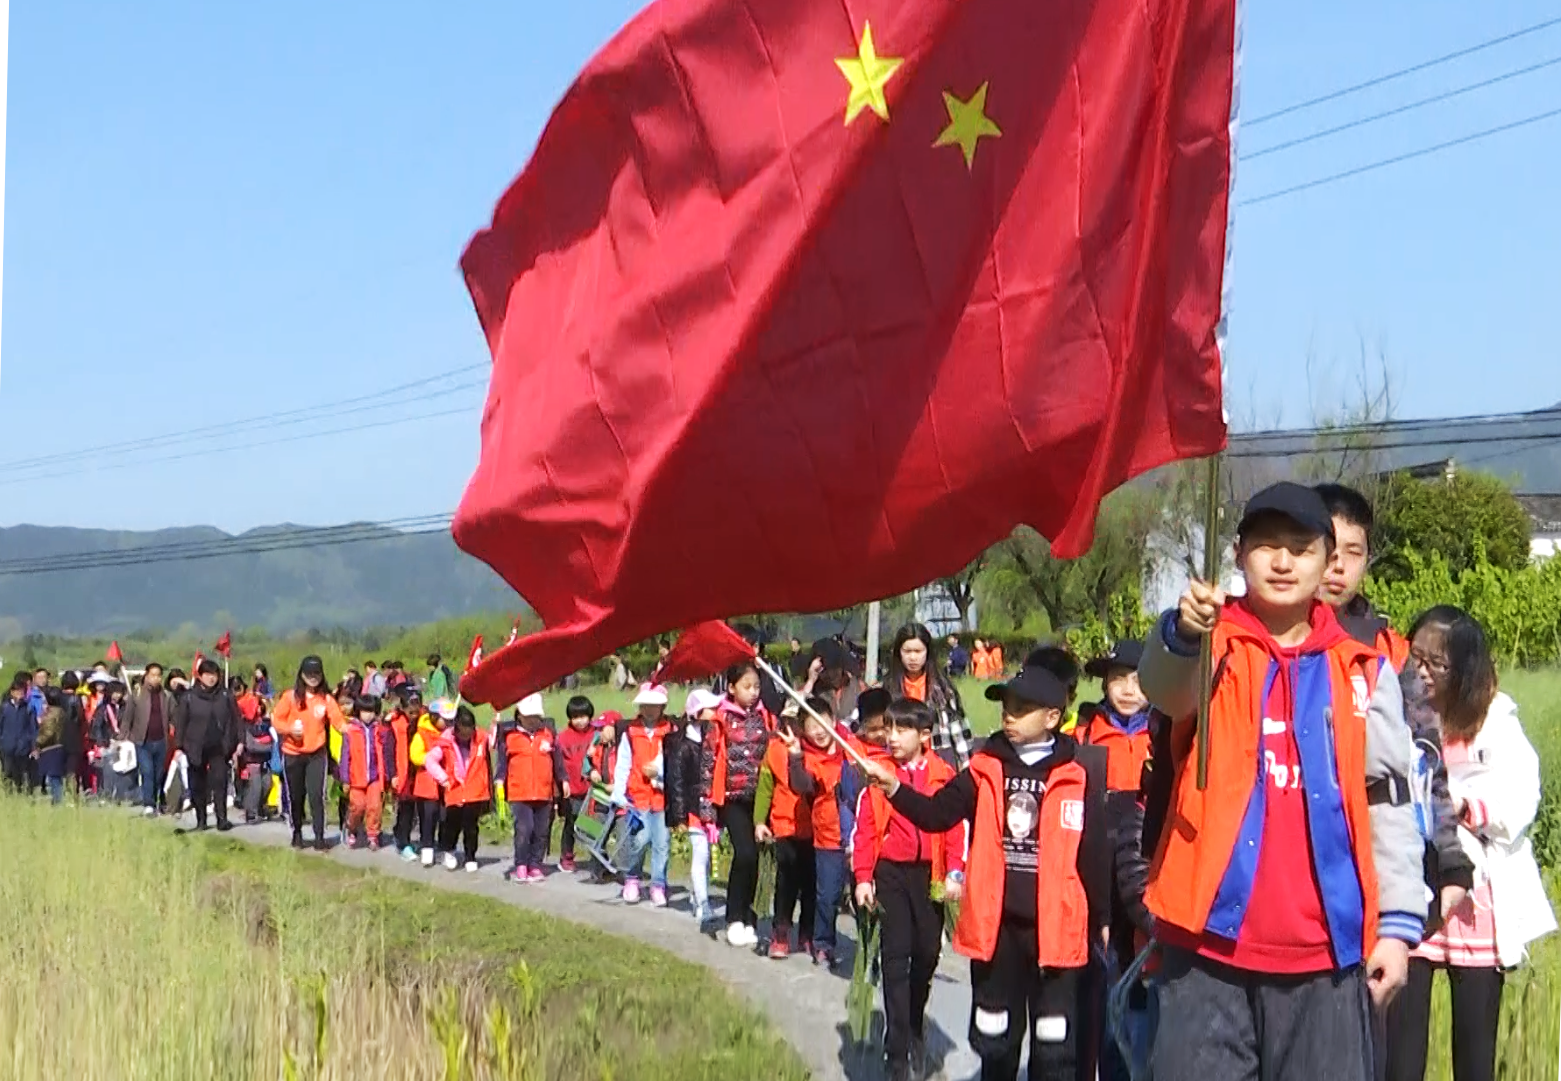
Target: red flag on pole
(701,652)
(800,303)
(225,644)
(474,658)
(195,665)
(114,655)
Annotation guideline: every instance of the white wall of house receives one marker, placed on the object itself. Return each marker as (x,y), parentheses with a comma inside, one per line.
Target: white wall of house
(1543,546)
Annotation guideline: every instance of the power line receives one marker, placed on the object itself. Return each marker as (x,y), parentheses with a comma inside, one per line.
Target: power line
(1420,104)
(1397,159)
(304,414)
(1405,444)
(1400,73)
(206,452)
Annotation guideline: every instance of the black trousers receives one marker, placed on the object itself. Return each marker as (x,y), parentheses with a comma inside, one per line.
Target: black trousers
(406,815)
(460,824)
(305,774)
(742,885)
(16,768)
(428,812)
(1476,1002)
(796,879)
(568,810)
(910,942)
(1011,997)
(209,784)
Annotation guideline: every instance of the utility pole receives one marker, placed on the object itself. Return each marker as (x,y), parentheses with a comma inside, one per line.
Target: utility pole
(874,615)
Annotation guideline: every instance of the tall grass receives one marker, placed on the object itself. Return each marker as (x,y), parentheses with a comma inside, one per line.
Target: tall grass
(132,954)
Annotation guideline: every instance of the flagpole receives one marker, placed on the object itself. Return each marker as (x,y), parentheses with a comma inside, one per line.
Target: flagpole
(874,630)
(1211,571)
(785,685)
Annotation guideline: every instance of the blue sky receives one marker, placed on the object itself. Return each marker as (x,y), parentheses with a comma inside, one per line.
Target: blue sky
(219,214)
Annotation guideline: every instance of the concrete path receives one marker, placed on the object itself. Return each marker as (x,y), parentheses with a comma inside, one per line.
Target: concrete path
(806,1004)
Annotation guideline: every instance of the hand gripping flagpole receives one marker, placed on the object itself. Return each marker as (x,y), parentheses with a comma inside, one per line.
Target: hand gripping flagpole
(1211,571)
(785,685)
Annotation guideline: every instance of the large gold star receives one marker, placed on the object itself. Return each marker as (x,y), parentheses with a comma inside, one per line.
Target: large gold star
(968,124)
(868,73)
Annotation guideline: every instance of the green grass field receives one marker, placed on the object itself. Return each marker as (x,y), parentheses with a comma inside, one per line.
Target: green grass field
(133,954)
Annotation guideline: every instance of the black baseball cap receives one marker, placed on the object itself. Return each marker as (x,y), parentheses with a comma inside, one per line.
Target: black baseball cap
(1302,505)
(1034,685)
(1125,654)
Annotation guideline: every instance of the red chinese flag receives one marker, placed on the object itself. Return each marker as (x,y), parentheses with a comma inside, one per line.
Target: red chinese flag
(702,651)
(225,644)
(800,303)
(114,654)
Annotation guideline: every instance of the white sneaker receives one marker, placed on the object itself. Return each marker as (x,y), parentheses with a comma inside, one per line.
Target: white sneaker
(427,857)
(741,935)
(451,863)
(471,867)
(148,812)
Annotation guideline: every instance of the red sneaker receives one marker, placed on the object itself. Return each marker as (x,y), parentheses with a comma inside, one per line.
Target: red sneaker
(780,949)
(566,864)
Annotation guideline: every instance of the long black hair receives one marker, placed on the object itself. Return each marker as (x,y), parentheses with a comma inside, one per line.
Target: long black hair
(300,689)
(1469,686)
(916,632)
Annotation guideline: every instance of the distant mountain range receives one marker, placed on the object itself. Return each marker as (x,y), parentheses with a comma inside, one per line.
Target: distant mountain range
(395,578)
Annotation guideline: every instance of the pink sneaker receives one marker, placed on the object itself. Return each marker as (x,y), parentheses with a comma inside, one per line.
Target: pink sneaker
(566,864)
(352,842)
(519,875)
(658,897)
(631,891)
(537,875)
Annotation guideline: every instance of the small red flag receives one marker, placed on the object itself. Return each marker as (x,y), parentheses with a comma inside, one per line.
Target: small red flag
(801,303)
(114,654)
(195,665)
(225,644)
(701,652)
(474,658)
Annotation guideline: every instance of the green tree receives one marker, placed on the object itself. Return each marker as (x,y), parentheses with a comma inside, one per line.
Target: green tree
(1453,518)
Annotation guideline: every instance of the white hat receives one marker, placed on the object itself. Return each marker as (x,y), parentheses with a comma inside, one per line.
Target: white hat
(443,708)
(651,694)
(700,700)
(531,706)
(99,677)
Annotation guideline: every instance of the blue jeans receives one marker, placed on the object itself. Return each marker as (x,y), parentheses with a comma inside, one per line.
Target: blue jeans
(56,789)
(633,852)
(152,762)
(832,870)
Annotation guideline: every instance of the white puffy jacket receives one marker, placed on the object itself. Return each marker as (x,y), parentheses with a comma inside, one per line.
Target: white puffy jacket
(1500,782)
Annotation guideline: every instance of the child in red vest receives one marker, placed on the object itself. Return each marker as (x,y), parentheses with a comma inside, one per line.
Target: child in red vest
(815,763)
(533,777)
(783,820)
(1037,894)
(363,770)
(638,787)
(460,765)
(895,865)
(574,743)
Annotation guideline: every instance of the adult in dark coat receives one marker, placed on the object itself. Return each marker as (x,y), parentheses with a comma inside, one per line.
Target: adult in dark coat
(145,722)
(209,729)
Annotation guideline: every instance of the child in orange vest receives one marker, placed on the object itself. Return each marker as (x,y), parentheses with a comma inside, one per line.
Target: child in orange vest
(638,786)
(403,722)
(533,777)
(1290,886)
(1038,872)
(426,792)
(783,820)
(460,764)
(363,771)
(895,865)
(814,769)
(1119,722)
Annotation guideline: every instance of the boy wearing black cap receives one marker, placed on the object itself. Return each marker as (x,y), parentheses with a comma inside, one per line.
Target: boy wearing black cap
(1037,879)
(1282,891)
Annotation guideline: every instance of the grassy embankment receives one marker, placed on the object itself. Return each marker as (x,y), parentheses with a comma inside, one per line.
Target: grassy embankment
(136,954)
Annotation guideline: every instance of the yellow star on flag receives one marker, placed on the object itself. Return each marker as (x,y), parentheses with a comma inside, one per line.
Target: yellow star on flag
(868,73)
(968,124)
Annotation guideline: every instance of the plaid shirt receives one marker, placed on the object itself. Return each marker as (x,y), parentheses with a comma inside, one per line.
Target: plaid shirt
(950,731)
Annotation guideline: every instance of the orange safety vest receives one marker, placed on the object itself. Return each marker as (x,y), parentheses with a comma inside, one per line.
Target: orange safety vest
(939,773)
(1125,754)
(529,773)
(426,737)
(1202,827)
(400,725)
(785,804)
(824,809)
(979,667)
(363,755)
(1061,904)
(645,748)
(1395,647)
(318,713)
(468,771)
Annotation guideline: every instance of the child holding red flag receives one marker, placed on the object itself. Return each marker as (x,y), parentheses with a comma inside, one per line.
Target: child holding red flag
(781,818)
(1037,897)
(894,865)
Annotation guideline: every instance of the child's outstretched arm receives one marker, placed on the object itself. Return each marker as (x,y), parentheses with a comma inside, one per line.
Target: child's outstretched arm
(939,812)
